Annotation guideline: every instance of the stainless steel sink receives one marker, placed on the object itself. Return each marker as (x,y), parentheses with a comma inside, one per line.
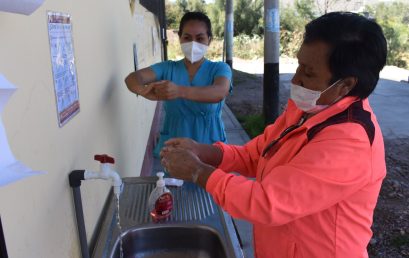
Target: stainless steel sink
(171,241)
(197,227)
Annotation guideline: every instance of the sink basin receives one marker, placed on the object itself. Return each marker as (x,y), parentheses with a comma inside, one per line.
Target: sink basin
(170,241)
(197,228)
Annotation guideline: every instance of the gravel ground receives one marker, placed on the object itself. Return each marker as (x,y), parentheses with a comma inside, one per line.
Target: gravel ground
(391,218)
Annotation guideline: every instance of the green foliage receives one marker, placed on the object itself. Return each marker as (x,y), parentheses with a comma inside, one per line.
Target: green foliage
(247,16)
(248,21)
(217,16)
(305,8)
(292,23)
(248,47)
(196,6)
(253,124)
(394,20)
(175,11)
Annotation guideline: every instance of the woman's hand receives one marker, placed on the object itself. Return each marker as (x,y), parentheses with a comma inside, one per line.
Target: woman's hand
(166,90)
(183,143)
(207,153)
(184,164)
(146,91)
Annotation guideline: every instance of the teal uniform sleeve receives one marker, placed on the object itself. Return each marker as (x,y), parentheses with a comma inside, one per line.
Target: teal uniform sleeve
(223,70)
(159,69)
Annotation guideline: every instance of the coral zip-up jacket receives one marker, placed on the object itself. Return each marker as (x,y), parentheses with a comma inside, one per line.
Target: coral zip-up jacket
(310,199)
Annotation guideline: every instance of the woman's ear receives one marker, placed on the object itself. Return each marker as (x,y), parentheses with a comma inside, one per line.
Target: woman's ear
(348,84)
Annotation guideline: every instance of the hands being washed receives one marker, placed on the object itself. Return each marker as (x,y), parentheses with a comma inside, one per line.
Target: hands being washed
(179,157)
(165,90)
(159,90)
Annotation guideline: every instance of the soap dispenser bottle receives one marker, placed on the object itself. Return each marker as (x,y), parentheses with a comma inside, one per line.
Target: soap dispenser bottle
(160,201)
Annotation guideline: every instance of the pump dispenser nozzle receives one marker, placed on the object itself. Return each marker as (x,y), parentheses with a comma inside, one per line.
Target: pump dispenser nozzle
(160,182)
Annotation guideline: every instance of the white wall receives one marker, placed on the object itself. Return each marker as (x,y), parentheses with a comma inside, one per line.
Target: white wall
(37,213)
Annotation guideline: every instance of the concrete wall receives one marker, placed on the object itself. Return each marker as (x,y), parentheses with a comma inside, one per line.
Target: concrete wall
(37,213)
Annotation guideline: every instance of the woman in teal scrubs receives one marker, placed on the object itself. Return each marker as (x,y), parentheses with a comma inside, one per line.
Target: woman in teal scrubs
(193,88)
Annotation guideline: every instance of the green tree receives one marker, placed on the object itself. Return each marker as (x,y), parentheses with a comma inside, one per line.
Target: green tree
(247,15)
(175,10)
(394,20)
(182,5)
(216,12)
(173,15)
(196,6)
(292,22)
(305,8)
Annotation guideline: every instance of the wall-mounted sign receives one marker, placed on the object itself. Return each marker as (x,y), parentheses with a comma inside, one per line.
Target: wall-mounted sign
(63,65)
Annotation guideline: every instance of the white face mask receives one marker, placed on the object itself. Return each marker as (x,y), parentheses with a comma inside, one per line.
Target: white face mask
(306,99)
(194,51)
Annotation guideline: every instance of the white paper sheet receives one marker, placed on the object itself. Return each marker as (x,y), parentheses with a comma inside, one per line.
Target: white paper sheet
(26,7)
(10,169)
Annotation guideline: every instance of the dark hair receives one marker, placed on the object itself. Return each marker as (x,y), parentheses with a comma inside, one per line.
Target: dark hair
(357,48)
(195,16)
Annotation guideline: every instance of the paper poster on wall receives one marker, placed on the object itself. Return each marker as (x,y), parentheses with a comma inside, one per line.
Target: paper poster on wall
(26,7)
(63,65)
(10,169)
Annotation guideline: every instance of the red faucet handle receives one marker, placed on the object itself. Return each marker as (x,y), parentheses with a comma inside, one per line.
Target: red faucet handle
(103,158)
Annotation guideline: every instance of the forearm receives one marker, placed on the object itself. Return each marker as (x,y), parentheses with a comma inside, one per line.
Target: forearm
(207,94)
(210,154)
(133,81)
(203,175)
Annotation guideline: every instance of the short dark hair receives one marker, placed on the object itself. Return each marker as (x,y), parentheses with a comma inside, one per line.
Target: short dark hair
(357,48)
(196,16)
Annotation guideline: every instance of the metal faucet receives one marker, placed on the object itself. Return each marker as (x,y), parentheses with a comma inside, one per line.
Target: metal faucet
(106,172)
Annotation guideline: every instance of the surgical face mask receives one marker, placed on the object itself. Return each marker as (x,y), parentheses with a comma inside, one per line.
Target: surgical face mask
(194,51)
(306,99)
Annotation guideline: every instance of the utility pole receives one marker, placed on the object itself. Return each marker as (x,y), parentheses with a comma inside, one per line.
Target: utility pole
(271,78)
(228,32)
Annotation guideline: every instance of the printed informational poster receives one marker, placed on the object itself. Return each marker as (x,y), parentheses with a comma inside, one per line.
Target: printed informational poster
(63,65)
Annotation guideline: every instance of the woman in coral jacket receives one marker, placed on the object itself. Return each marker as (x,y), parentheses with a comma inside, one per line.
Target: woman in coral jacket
(320,166)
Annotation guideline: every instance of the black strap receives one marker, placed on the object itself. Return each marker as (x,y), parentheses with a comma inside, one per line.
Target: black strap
(355,113)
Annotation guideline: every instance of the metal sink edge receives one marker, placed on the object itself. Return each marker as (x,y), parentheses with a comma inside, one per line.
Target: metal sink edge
(135,193)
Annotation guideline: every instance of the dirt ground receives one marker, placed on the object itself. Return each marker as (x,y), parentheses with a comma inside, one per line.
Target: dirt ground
(391,218)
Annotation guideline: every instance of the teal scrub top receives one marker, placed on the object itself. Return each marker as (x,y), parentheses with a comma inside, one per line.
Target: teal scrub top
(199,121)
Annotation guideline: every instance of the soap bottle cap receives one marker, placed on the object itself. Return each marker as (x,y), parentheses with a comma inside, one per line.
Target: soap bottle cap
(160,182)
